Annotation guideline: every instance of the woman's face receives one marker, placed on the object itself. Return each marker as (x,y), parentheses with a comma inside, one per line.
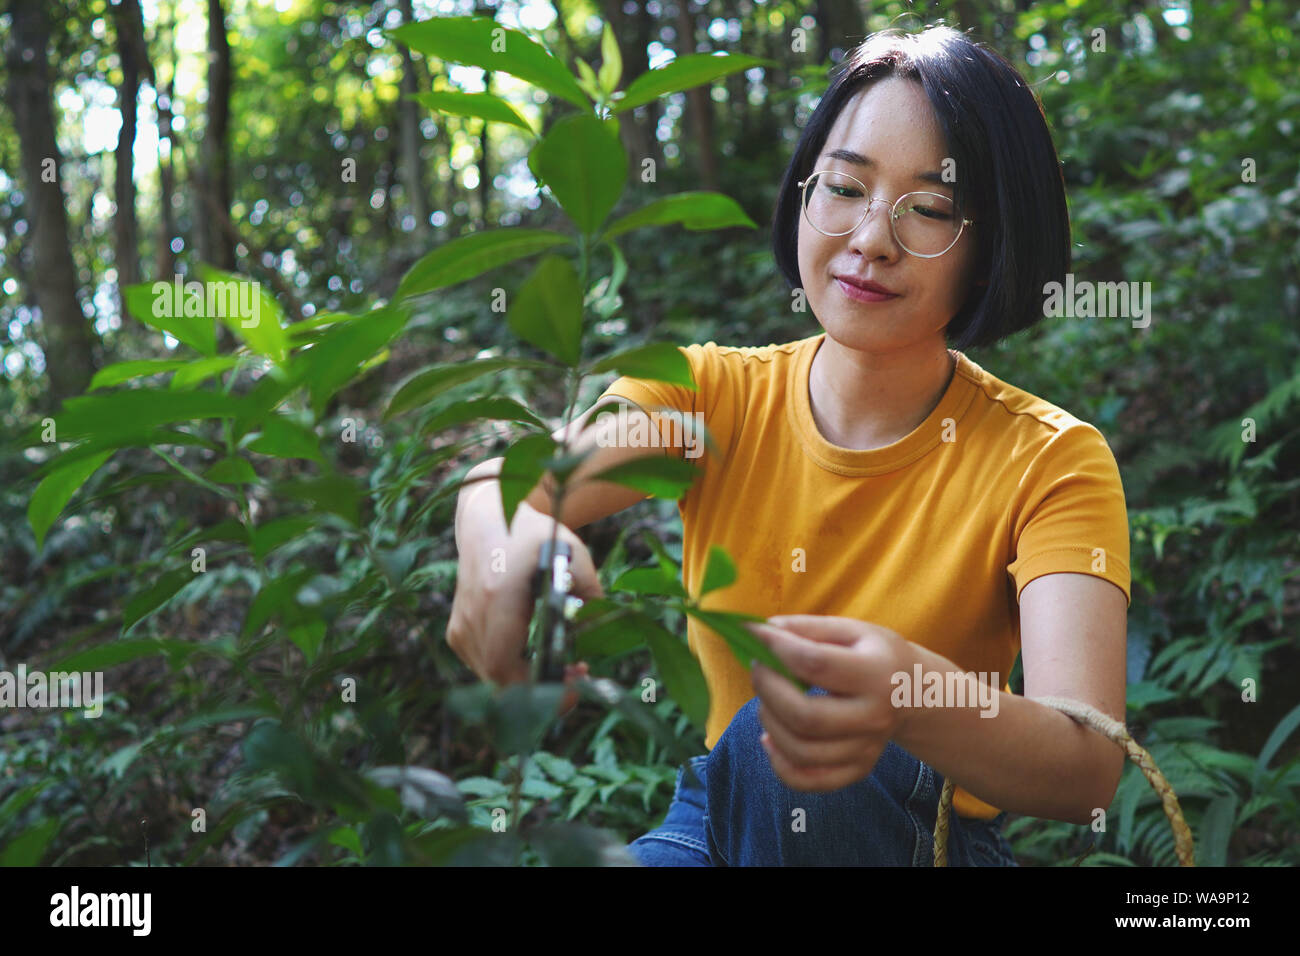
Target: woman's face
(892,126)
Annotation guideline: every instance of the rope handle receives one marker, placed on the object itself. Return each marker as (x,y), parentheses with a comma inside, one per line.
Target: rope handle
(1117,733)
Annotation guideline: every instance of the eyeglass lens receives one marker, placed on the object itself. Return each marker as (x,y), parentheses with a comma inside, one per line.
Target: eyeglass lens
(836,204)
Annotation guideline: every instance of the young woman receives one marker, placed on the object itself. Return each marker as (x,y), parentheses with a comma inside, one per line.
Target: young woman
(905,520)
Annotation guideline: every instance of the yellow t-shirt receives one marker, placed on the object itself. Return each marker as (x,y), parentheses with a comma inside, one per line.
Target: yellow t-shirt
(933,536)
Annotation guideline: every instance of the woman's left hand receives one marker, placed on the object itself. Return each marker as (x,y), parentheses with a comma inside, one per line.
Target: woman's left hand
(819,743)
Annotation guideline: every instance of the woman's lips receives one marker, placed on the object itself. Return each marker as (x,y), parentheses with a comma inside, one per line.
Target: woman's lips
(859,294)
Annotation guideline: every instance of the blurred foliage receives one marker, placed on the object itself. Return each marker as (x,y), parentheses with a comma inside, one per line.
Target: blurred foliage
(328,551)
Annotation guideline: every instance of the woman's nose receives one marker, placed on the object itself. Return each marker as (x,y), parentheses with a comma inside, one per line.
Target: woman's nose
(874,235)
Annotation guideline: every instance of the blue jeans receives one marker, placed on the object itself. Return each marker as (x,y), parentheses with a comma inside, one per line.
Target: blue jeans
(731,809)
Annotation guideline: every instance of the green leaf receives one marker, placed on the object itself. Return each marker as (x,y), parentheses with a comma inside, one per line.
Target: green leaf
(696,211)
(157,304)
(269,746)
(588,80)
(155,596)
(609,638)
(1216,829)
(347,838)
(1285,727)
(429,383)
(648,581)
(268,537)
(308,637)
(547,312)
(1145,693)
(283,438)
(88,449)
(467,846)
(661,476)
(200,370)
(396,562)
(584,165)
(28,848)
(425,792)
(683,73)
(472,255)
(232,471)
(483,105)
(134,412)
(681,672)
(339,356)
(56,489)
(333,493)
(720,572)
(603,298)
(276,596)
(666,561)
(116,764)
(629,705)
(482,42)
(611,61)
(498,409)
(522,713)
(13,804)
(248,310)
(743,643)
(579,844)
(658,361)
(522,469)
(111,653)
(557,768)
(125,371)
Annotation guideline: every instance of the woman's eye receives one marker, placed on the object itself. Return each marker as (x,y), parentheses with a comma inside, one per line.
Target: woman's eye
(929,212)
(844,192)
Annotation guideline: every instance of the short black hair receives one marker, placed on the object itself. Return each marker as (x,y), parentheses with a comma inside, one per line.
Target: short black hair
(1008,180)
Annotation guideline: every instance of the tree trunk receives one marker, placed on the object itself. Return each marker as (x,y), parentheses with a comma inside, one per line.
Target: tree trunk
(484,161)
(214,247)
(484,142)
(409,121)
(135,63)
(842,27)
(699,105)
(633,34)
(68,345)
(165,263)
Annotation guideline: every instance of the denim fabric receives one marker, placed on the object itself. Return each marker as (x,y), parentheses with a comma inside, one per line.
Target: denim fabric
(730,809)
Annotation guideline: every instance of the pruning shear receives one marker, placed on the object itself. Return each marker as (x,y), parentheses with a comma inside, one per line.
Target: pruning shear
(554,608)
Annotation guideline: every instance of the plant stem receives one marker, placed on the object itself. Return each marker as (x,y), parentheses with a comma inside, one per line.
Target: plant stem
(573,381)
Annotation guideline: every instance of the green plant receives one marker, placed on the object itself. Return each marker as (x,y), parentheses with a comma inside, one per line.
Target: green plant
(298,676)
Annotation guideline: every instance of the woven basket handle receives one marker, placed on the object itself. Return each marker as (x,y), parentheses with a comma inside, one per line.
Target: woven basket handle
(1116,732)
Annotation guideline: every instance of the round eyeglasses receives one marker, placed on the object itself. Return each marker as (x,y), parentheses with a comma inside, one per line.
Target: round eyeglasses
(924,224)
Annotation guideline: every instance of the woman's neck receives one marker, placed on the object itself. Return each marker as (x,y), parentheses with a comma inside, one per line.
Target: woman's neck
(866,400)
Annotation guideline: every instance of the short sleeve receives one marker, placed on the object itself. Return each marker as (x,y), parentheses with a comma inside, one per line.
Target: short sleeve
(678,413)
(1072,515)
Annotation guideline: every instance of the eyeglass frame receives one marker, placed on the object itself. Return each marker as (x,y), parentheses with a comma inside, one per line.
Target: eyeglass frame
(893,213)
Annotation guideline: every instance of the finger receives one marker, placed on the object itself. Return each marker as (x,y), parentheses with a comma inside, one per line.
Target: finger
(572,673)
(813,780)
(824,628)
(586,582)
(809,717)
(811,752)
(837,669)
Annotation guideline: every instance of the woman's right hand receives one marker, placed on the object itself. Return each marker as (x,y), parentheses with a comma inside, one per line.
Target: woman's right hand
(493,604)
